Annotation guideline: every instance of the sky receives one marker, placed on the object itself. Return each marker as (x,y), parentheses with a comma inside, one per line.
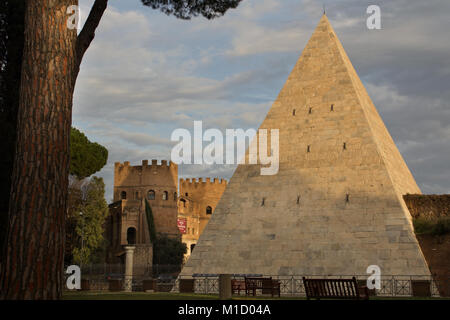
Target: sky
(147,74)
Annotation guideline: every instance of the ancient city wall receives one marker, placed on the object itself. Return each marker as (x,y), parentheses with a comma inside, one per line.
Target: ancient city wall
(205,193)
(428,205)
(436,249)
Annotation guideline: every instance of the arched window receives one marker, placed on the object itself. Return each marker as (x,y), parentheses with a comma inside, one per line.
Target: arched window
(165,195)
(208,210)
(123,195)
(131,235)
(151,195)
(136,195)
(175,198)
(192,247)
(184,202)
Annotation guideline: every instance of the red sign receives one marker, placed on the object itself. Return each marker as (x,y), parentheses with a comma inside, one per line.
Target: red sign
(182,225)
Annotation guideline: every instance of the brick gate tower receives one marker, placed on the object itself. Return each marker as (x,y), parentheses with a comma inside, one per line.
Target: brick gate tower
(127,222)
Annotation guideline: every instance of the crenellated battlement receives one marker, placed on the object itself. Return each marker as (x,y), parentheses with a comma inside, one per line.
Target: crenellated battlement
(206,192)
(164,164)
(200,181)
(147,173)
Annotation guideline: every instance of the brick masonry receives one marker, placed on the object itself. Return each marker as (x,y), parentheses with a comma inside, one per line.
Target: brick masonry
(133,184)
(195,198)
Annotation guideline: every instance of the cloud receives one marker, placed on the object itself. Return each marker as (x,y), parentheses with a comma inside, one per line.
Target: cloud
(147,74)
(421,128)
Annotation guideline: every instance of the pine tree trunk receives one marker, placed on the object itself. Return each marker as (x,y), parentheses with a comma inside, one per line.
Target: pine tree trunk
(33,264)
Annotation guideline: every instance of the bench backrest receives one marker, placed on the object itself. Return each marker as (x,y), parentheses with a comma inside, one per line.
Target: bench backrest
(331,288)
(238,284)
(257,283)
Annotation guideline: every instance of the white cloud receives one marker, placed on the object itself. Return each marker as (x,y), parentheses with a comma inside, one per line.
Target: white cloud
(146,74)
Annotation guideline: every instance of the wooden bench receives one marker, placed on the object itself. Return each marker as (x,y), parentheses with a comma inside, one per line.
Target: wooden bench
(335,289)
(266,285)
(237,286)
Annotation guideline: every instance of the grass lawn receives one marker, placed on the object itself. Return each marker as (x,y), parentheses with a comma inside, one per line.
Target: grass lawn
(105,295)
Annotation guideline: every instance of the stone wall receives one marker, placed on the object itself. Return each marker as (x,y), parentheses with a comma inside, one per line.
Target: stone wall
(428,205)
(436,249)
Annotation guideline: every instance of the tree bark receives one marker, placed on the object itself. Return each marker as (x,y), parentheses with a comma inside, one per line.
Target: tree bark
(33,260)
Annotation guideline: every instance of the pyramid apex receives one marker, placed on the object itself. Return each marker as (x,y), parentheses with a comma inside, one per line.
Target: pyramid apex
(324,18)
(324,22)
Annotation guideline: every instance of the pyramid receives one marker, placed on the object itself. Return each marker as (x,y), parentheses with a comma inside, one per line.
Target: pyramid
(335,206)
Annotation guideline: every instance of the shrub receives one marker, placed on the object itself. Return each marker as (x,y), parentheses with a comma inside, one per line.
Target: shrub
(168,251)
(437,227)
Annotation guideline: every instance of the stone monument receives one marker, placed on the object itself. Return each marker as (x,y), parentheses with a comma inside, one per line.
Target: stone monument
(335,207)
